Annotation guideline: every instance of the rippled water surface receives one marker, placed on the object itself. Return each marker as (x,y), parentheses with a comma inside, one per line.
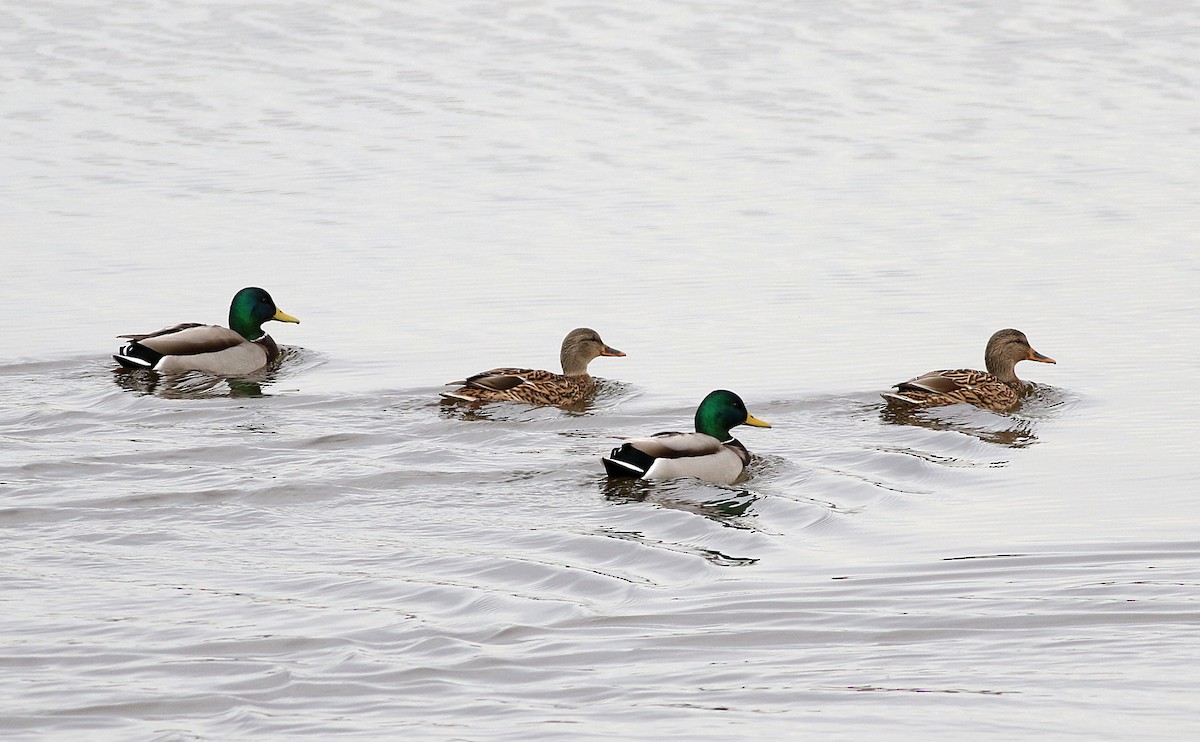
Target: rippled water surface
(801,201)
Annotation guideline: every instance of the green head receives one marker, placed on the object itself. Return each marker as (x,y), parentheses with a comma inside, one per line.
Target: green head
(722,410)
(251,307)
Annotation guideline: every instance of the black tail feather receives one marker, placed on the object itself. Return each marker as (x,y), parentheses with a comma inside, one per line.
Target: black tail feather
(135,355)
(627,461)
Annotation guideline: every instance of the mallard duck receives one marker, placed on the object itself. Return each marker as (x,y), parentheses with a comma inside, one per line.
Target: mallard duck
(240,349)
(997,389)
(711,453)
(571,387)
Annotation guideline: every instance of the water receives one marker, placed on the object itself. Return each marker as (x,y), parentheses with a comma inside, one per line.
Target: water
(801,202)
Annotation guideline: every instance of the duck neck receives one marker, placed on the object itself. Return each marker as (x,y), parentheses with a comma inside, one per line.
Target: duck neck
(573,364)
(245,326)
(708,422)
(1004,369)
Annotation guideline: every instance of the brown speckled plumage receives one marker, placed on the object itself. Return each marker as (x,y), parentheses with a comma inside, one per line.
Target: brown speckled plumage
(997,389)
(532,386)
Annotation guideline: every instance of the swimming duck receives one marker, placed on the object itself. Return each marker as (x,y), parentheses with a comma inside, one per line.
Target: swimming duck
(571,387)
(711,453)
(240,349)
(998,389)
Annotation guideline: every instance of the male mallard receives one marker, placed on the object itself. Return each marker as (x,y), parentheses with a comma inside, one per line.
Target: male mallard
(570,387)
(997,389)
(241,349)
(710,453)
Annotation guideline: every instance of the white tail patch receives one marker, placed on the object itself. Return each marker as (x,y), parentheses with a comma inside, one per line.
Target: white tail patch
(625,464)
(130,361)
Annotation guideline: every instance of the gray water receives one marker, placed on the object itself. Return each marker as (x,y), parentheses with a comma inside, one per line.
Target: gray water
(801,201)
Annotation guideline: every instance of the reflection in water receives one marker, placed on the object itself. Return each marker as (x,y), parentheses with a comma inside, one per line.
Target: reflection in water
(459,410)
(449,409)
(729,510)
(1043,400)
(1006,431)
(190,385)
(711,555)
(475,410)
(922,689)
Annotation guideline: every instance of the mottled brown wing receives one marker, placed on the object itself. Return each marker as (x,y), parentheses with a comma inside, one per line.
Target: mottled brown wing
(941,382)
(501,379)
(546,387)
(523,385)
(937,388)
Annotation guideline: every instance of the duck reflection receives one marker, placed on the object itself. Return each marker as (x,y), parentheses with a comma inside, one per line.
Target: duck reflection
(710,555)
(729,509)
(189,385)
(1001,430)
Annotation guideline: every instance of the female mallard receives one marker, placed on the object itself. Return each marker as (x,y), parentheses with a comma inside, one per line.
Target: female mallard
(710,453)
(241,349)
(997,389)
(570,387)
